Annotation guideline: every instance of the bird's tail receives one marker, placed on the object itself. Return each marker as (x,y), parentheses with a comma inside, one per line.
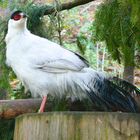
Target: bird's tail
(130,88)
(114,94)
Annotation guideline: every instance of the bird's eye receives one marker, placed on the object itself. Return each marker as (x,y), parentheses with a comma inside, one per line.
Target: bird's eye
(17,17)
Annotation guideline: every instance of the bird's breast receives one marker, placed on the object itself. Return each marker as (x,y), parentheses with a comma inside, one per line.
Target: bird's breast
(12,56)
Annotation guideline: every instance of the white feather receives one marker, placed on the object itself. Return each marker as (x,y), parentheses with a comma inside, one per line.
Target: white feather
(44,67)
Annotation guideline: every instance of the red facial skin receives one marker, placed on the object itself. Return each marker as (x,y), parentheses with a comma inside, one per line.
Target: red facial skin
(17,17)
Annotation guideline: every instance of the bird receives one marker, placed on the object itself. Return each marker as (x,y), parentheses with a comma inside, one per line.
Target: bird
(46,68)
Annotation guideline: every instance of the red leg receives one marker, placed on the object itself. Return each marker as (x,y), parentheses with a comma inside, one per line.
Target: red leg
(42,106)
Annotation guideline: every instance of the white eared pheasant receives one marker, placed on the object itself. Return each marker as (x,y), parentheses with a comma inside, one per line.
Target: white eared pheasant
(45,67)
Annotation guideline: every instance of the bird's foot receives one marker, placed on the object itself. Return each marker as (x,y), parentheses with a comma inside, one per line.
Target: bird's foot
(42,107)
(40,111)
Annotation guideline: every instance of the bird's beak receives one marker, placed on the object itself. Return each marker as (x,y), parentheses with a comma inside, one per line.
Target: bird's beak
(24,16)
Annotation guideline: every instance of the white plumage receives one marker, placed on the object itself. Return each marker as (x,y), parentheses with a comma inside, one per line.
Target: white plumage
(44,67)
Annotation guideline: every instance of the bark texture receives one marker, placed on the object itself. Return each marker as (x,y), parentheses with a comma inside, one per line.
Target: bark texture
(66,6)
(12,108)
(129,63)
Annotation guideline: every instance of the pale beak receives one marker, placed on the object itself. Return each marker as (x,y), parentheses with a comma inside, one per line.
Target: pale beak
(24,15)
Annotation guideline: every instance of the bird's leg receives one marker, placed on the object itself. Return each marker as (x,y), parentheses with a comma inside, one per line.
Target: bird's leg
(43,103)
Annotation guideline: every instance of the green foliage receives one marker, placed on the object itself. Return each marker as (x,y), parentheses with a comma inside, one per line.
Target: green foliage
(78,35)
(4,79)
(114,25)
(135,10)
(7,129)
(135,18)
(3,3)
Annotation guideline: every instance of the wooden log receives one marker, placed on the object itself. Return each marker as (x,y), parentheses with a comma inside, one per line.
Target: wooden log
(12,108)
(78,126)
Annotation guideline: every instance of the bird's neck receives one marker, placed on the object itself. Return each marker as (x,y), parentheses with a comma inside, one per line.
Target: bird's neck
(14,33)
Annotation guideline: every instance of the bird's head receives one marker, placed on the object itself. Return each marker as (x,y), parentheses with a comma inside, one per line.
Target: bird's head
(17,20)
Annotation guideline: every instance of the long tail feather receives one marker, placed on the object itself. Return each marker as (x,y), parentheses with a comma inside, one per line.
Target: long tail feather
(114,95)
(133,90)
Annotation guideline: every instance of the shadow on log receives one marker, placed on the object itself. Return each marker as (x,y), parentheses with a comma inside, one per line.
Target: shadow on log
(78,126)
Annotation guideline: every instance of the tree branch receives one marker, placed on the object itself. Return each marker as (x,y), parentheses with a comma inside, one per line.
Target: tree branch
(12,108)
(66,6)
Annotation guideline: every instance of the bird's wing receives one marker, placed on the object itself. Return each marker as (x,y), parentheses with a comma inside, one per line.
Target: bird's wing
(58,66)
(50,57)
